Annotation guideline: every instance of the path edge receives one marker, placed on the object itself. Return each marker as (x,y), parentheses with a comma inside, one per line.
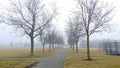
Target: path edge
(31,65)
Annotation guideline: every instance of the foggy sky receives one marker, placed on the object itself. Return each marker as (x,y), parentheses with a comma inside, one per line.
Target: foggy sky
(7,34)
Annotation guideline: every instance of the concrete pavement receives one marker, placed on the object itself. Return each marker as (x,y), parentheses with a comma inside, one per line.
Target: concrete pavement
(55,61)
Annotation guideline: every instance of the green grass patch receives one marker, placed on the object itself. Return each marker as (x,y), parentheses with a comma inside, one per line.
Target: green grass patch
(100,60)
(15,63)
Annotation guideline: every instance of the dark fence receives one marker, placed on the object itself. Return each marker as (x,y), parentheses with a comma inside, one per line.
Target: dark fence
(112,47)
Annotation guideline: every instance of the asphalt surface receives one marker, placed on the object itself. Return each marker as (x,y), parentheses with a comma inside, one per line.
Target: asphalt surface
(55,61)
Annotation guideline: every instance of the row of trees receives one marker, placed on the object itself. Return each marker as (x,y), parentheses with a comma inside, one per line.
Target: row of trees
(50,37)
(34,18)
(74,32)
(89,17)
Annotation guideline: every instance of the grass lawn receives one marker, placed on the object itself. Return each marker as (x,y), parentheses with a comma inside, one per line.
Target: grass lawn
(15,63)
(100,60)
(21,53)
(24,53)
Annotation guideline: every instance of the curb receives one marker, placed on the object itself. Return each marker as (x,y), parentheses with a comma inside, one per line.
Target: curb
(31,65)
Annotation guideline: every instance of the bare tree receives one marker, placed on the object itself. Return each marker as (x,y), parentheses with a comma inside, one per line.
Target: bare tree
(53,35)
(42,38)
(54,38)
(95,16)
(49,36)
(28,15)
(75,30)
(70,34)
(60,40)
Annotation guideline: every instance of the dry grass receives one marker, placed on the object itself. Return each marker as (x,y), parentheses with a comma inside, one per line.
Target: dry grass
(100,60)
(83,53)
(21,53)
(24,53)
(15,63)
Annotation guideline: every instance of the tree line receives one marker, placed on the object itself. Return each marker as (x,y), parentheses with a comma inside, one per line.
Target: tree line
(89,17)
(34,19)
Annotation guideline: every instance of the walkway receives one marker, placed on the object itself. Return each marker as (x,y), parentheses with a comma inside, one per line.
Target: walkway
(55,61)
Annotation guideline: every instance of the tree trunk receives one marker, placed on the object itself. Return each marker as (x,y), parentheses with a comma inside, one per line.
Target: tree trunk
(73,47)
(110,49)
(76,46)
(49,46)
(53,46)
(43,47)
(88,48)
(32,46)
(105,47)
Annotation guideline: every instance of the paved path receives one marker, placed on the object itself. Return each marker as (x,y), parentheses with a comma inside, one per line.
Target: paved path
(55,61)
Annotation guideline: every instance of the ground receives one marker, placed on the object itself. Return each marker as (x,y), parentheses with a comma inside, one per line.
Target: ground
(19,57)
(24,53)
(15,63)
(55,59)
(100,60)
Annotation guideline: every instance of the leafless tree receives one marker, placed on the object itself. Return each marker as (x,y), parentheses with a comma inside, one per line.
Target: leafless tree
(49,36)
(30,16)
(70,41)
(75,30)
(60,40)
(70,34)
(53,35)
(95,16)
(42,38)
(54,38)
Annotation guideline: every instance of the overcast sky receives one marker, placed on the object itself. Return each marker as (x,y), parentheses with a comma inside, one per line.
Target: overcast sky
(65,7)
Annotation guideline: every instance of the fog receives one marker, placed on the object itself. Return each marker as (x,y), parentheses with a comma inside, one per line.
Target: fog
(9,35)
